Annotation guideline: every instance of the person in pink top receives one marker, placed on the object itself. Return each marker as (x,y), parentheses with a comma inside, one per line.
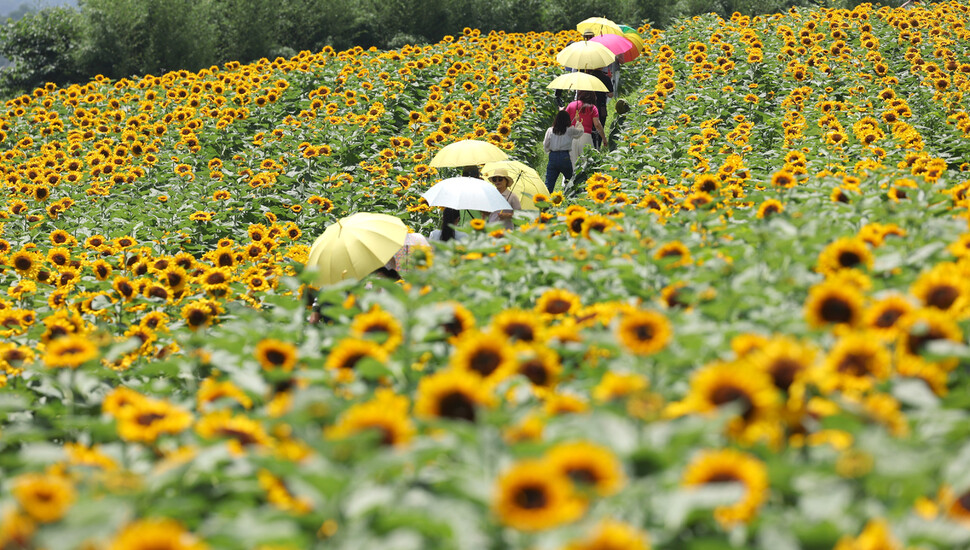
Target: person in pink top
(584,110)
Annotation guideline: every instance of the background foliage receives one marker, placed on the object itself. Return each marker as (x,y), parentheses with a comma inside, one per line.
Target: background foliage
(121,38)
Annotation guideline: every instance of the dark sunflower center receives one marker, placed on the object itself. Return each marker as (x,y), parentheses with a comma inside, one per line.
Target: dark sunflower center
(942,296)
(855,364)
(582,476)
(531,497)
(158,292)
(836,310)
(535,372)
(644,332)
(485,362)
(964,501)
(197,317)
(783,372)
(148,419)
(915,343)
(457,405)
(520,331)
(723,477)
(453,327)
(244,438)
(729,394)
(351,360)
(849,259)
(22,263)
(225,260)
(275,357)
(888,318)
(557,306)
(771,209)
(576,225)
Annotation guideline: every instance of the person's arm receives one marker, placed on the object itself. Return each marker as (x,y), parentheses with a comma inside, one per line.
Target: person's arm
(599,128)
(547,141)
(574,132)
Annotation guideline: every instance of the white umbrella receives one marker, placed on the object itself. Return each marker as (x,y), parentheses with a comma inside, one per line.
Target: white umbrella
(466,194)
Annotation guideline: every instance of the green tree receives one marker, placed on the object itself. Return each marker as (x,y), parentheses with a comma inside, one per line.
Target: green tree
(41,47)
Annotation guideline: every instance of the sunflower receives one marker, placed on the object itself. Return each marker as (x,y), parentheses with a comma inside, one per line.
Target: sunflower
(452,394)
(123,286)
(155,534)
(540,365)
(344,357)
(378,323)
(770,207)
(518,325)
(882,315)
(212,390)
(832,303)
(730,466)
(70,351)
(387,414)
(855,364)
(643,332)
(241,430)
(785,360)
(274,354)
(45,497)
(920,327)
(943,287)
(595,222)
(200,313)
(557,302)
(783,179)
(26,263)
(589,466)
(574,222)
(876,535)
(751,391)
(673,249)
(530,498)
(612,535)
(486,355)
(144,419)
(846,253)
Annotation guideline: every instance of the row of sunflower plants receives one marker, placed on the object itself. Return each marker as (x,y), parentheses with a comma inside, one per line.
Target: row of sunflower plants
(747,330)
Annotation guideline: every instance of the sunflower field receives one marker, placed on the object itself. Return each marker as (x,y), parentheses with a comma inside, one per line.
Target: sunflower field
(745,326)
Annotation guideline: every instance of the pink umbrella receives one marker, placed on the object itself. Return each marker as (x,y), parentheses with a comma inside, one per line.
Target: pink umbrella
(619,45)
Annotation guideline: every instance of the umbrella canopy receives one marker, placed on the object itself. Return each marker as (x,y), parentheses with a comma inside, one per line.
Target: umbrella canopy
(598,25)
(467,152)
(585,55)
(577,81)
(526,182)
(463,193)
(355,246)
(627,29)
(636,39)
(619,45)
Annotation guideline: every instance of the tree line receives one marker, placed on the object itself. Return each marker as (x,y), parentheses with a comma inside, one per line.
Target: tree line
(121,38)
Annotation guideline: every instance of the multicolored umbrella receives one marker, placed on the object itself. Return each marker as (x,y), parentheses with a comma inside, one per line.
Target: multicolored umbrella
(619,45)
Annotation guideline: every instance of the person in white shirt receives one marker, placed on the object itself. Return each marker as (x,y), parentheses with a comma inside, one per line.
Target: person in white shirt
(557,144)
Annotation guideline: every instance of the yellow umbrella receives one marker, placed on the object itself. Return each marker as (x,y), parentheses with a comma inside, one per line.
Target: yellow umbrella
(355,246)
(585,55)
(467,152)
(598,25)
(526,182)
(635,38)
(577,81)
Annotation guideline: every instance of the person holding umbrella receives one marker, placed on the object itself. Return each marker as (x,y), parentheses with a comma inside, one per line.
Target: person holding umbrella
(584,110)
(501,180)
